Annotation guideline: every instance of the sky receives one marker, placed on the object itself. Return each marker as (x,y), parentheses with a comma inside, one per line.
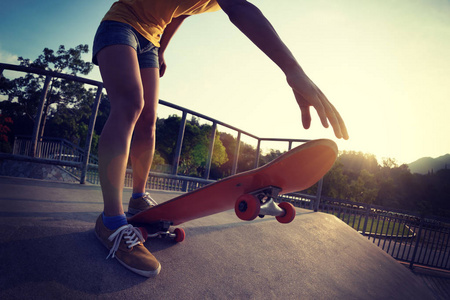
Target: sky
(385,65)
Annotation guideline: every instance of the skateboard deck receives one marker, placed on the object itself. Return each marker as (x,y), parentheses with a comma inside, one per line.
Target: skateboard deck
(250,193)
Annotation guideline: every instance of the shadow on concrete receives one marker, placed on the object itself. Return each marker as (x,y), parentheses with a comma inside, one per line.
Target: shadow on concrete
(75,261)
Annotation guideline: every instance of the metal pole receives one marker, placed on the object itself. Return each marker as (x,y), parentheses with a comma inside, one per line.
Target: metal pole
(211,150)
(258,149)
(318,195)
(366,220)
(416,247)
(87,146)
(176,158)
(236,154)
(38,118)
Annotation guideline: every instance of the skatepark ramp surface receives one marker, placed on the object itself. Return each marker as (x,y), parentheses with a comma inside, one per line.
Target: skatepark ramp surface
(48,250)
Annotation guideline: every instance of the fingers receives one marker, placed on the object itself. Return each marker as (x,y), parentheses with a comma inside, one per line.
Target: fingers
(343,128)
(306,117)
(327,113)
(305,105)
(304,108)
(162,64)
(162,70)
(339,128)
(323,112)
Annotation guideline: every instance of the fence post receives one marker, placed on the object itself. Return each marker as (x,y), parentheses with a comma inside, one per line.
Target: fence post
(88,143)
(185,186)
(318,195)
(258,149)
(38,118)
(61,148)
(15,146)
(416,247)
(176,158)
(366,219)
(236,154)
(211,150)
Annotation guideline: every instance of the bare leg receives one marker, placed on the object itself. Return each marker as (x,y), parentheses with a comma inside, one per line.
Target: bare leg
(143,143)
(122,79)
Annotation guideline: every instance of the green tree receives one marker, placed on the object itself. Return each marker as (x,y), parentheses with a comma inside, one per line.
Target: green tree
(246,159)
(166,137)
(364,188)
(65,101)
(61,91)
(335,182)
(229,142)
(247,156)
(354,162)
(270,156)
(194,152)
(5,134)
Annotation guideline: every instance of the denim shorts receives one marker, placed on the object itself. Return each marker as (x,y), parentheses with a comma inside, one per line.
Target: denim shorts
(117,33)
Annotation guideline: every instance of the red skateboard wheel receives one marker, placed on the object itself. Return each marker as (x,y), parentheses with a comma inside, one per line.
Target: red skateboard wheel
(289,214)
(179,235)
(247,207)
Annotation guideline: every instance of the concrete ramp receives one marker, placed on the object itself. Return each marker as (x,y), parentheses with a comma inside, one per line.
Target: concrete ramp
(48,250)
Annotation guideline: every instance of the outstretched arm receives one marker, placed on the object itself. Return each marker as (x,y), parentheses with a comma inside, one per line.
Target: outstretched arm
(167,35)
(250,20)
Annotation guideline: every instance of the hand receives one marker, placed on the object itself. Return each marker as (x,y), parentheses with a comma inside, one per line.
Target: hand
(162,64)
(308,94)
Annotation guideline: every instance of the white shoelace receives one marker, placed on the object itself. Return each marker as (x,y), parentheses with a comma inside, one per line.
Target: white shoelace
(132,236)
(149,200)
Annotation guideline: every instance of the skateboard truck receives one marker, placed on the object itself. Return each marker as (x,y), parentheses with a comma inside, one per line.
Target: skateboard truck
(177,235)
(261,203)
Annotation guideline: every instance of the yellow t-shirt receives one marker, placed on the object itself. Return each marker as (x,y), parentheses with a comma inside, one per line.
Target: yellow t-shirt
(150,17)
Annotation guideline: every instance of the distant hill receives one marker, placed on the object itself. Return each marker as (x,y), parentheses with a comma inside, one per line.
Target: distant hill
(426,164)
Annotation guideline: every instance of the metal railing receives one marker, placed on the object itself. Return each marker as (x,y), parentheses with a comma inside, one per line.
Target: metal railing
(52,148)
(60,151)
(215,123)
(79,161)
(407,237)
(85,164)
(43,97)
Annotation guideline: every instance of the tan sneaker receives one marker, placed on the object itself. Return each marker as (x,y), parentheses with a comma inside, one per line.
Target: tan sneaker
(125,244)
(137,205)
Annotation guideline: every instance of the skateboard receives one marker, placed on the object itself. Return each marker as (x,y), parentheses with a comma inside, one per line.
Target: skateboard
(251,193)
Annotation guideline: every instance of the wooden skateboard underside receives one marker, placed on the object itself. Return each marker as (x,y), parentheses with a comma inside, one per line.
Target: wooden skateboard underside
(296,170)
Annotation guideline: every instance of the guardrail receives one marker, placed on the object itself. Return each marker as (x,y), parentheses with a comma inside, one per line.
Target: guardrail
(79,161)
(52,148)
(60,152)
(156,181)
(85,164)
(49,75)
(407,237)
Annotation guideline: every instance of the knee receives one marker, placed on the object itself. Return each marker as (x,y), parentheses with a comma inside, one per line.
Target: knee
(128,107)
(147,121)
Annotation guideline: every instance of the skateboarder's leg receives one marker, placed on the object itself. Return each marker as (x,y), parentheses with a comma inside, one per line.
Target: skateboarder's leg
(143,143)
(121,77)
